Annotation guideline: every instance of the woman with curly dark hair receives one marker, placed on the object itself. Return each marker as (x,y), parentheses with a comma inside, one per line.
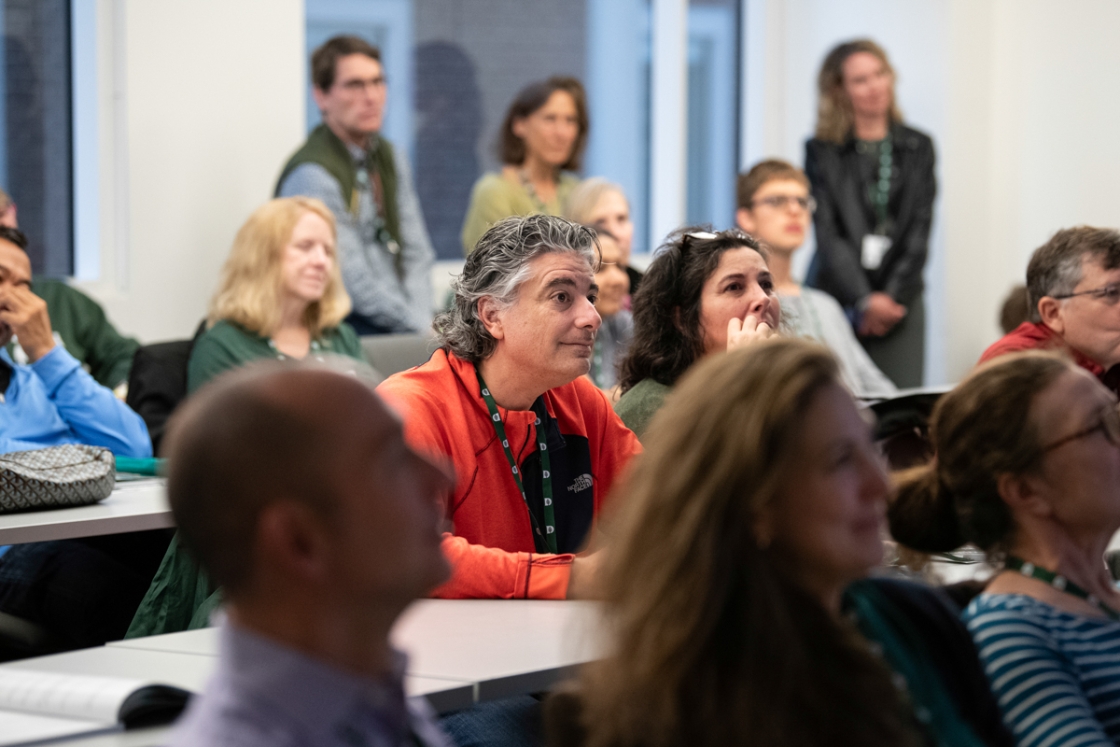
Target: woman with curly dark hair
(704,293)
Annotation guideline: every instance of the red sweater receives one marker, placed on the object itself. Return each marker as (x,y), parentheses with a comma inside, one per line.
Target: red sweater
(491,548)
(1037,336)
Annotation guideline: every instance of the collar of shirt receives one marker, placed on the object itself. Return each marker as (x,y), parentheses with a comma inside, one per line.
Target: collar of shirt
(1042,332)
(360,155)
(320,697)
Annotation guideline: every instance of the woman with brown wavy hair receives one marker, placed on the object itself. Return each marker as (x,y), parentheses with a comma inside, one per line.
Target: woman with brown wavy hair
(735,605)
(541,144)
(873,180)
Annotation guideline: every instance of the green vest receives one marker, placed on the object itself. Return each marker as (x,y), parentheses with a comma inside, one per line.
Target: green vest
(323,147)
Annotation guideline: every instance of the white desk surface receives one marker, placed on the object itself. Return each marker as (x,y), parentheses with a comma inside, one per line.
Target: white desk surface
(191,671)
(507,647)
(153,737)
(132,507)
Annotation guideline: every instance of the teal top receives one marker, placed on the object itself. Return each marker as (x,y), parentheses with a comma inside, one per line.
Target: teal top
(640,403)
(228,345)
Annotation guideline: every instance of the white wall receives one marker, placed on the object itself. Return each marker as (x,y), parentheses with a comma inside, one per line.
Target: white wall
(1022,98)
(201,103)
(1033,138)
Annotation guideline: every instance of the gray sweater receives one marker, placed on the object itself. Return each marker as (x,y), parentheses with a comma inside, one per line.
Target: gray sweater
(368,268)
(817,315)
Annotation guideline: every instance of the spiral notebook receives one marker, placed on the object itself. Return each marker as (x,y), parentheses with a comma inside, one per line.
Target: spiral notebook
(39,707)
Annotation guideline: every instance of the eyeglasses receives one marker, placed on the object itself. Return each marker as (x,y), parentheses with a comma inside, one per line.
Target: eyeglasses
(1109,425)
(1110,294)
(781,202)
(359,86)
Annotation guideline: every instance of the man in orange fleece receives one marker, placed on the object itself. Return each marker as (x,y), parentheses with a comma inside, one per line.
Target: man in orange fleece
(535,445)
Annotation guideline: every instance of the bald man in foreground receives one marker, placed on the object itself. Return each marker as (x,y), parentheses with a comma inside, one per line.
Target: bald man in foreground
(295,490)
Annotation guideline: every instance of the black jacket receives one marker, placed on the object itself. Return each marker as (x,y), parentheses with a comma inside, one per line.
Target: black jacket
(845,215)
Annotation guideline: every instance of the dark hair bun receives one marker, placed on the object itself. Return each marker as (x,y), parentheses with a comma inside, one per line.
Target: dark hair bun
(922,515)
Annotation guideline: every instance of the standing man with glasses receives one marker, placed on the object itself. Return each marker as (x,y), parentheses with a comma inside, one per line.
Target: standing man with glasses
(1073,285)
(383,247)
(775,207)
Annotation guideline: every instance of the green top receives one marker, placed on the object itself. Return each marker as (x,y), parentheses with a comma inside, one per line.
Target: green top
(638,406)
(228,345)
(324,148)
(181,596)
(495,197)
(85,332)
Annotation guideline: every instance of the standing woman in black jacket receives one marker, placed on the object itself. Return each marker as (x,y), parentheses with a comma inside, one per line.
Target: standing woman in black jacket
(873,181)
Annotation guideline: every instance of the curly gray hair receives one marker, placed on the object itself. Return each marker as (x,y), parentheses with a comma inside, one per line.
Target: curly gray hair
(496,268)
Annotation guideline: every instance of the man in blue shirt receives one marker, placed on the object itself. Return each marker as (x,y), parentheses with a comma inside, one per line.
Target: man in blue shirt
(52,400)
(78,592)
(295,489)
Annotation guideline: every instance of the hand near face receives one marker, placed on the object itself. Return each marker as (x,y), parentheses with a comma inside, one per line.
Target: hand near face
(743,332)
(880,316)
(25,315)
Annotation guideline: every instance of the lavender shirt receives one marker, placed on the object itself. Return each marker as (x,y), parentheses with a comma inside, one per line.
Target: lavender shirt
(264,693)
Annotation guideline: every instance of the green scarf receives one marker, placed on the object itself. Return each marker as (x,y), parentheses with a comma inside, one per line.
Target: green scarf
(324,148)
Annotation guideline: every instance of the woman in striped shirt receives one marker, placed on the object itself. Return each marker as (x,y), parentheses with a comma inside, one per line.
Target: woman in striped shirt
(1027,468)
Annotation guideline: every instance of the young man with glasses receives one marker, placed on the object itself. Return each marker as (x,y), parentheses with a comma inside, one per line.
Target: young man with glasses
(383,247)
(775,207)
(1073,284)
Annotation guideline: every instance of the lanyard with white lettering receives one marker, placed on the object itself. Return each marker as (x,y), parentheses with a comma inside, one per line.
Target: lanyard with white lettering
(546,466)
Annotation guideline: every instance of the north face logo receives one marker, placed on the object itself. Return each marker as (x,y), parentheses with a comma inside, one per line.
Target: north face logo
(583,482)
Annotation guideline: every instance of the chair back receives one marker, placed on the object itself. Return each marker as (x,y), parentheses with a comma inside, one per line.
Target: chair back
(157,383)
(391,354)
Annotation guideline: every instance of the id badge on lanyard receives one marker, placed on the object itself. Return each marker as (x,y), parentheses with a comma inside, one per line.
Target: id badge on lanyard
(873,249)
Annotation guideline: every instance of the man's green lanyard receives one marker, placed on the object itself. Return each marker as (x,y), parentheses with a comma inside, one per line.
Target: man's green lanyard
(546,466)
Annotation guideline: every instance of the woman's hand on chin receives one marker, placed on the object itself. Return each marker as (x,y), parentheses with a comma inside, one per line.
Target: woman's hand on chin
(747,331)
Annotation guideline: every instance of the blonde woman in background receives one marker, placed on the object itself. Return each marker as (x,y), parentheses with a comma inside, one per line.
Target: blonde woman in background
(280,296)
(873,181)
(281,293)
(602,205)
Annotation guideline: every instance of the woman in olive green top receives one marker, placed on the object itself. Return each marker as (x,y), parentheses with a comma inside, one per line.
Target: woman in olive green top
(542,140)
(281,296)
(704,293)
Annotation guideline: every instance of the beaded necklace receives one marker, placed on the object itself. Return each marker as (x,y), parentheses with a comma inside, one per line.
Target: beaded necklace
(535,198)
